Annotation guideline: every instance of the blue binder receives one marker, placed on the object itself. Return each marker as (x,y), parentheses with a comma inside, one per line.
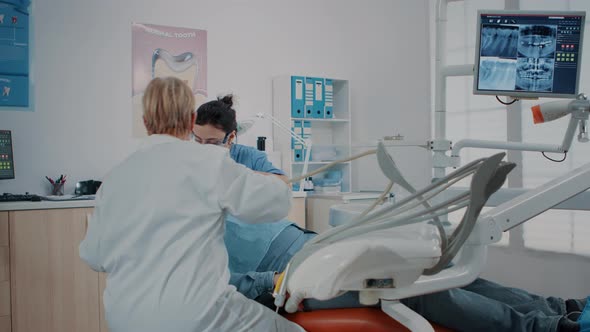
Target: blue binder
(329,99)
(297,146)
(306,129)
(318,98)
(297,128)
(309,96)
(306,134)
(298,153)
(297,97)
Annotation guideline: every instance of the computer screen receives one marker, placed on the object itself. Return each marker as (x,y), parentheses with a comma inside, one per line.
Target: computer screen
(528,53)
(6,160)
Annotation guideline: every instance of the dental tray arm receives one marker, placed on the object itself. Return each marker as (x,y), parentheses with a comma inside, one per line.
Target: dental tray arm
(533,202)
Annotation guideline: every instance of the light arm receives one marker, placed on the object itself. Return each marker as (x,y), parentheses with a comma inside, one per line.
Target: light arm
(541,113)
(306,142)
(564,147)
(299,139)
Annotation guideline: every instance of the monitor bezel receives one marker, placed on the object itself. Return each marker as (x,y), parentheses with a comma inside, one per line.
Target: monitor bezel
(12,154)
(517,94)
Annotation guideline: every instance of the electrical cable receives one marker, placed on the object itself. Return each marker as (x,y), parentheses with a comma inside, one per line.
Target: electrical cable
(378,200)
(555,160)
(505,103)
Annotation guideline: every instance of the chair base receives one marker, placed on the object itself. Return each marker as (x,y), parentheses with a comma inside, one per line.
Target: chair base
(350,320)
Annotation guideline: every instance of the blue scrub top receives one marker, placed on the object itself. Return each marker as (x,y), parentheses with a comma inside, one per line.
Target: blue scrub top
(247,244)
(253,159)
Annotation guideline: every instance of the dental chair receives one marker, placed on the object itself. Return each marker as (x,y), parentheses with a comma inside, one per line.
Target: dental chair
(394,253)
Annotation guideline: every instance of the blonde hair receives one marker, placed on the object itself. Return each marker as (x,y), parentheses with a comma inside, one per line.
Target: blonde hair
(168,104)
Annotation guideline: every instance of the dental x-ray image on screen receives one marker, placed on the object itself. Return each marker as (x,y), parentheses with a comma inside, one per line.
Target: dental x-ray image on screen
(534,74)
(535,64)
(528,53)
(537,41)
(497,73)
(499,41)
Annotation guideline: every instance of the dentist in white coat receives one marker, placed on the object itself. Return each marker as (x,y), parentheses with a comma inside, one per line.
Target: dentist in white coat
(158,227)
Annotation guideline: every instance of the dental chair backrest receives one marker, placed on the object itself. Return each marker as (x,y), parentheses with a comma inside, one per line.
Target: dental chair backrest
(374,256)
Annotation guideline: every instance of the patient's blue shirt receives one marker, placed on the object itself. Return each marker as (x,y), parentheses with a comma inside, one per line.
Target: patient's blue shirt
(247,244)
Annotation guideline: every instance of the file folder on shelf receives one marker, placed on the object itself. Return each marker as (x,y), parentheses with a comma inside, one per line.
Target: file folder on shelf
(318,98)
(297,127)
(297,97)
(329,99)
(309,96)
(306,135)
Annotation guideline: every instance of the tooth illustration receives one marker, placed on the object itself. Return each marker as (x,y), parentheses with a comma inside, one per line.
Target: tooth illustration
(183,66)
(6,91)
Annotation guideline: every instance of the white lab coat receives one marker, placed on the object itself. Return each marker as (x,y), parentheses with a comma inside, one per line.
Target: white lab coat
(157,230)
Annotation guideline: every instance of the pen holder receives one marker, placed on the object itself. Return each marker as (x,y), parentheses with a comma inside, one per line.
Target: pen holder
(57,189)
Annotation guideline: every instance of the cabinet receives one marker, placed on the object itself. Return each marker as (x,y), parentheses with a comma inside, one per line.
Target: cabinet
(327,123)
(44,285)
(52,288)
(5,306)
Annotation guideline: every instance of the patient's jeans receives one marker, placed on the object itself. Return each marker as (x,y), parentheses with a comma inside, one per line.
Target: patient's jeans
(487,306)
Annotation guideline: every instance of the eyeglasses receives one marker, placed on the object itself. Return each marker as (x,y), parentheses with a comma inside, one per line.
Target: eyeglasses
(212,141)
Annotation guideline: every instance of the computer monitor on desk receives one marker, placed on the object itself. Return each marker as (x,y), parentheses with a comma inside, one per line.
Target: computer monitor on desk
(6,157)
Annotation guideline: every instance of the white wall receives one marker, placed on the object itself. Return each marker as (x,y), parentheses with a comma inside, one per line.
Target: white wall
(81,69)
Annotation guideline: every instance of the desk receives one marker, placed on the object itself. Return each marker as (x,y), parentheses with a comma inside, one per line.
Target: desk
(44,285)
(297,213)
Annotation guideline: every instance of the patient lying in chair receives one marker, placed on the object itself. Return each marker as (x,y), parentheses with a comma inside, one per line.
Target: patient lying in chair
(258,252)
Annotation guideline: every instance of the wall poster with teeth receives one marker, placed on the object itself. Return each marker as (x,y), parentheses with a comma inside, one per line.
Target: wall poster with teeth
(14,55)
(161,51)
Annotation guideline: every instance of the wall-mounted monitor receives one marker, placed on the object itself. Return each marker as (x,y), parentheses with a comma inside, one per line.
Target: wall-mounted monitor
(528,54)
(6,159)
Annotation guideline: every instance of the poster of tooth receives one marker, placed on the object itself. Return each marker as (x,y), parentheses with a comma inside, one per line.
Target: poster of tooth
(14,55)
(160,51)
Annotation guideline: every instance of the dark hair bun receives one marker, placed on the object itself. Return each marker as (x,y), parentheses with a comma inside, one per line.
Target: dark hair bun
(227,99)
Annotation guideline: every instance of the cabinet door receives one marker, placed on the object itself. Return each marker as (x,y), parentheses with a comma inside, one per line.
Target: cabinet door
(4,275)
(53,290)
(297,213)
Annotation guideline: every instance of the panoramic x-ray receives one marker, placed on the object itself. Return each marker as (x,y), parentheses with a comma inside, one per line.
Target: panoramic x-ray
(537,41)
(534,74)
(497,74)
(499,41)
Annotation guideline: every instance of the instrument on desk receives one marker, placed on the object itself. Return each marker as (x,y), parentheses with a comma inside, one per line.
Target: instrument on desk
(7,197)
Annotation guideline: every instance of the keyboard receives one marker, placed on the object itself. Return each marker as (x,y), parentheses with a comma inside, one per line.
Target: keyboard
(19,198)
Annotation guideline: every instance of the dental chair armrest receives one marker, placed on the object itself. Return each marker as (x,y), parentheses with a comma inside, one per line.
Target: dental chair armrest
(466,269)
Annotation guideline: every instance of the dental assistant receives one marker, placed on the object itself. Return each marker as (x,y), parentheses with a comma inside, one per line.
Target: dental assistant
(158,226)
(246,243)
